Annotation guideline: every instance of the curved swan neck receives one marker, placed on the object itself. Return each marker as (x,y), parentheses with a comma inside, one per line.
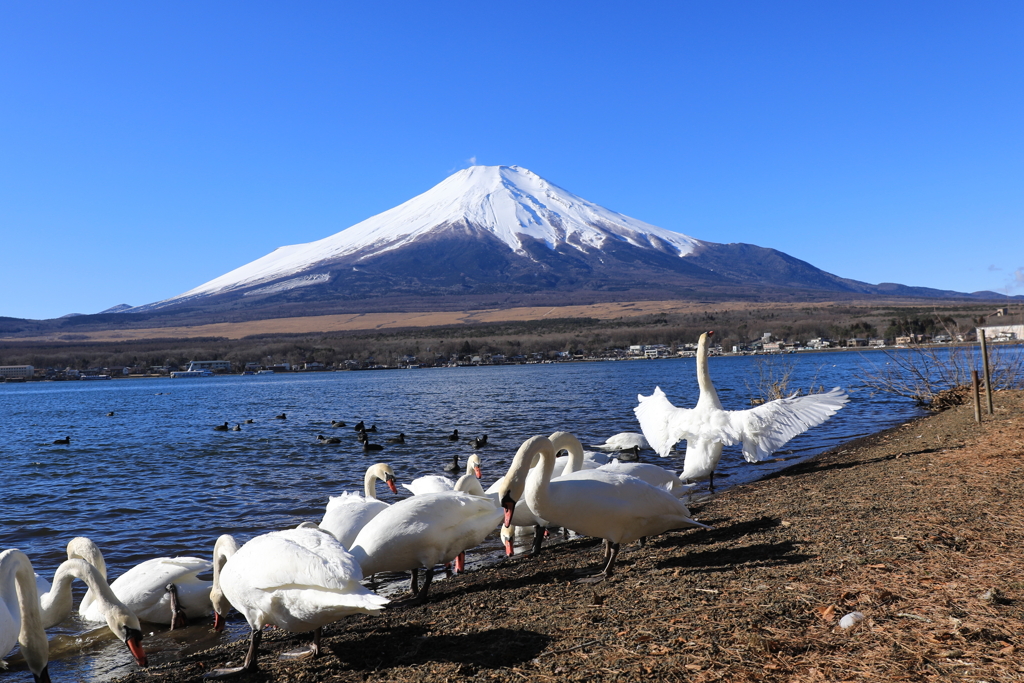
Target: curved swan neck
(514,482)
(381,471)
(569,443)
(83,548)
(223,549)
(537,485)
(16,567)
(708,395)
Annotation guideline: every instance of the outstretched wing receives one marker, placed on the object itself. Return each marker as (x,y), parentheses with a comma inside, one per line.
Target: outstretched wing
(662,423)
(766,428)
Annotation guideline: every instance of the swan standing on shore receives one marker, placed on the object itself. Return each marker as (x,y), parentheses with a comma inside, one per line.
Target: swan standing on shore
(20,619)
(143,588)
(708,427)
(348,513)
(423,531)
(298,580)
(618,508)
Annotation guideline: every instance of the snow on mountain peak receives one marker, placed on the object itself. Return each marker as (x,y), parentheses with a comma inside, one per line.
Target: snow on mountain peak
(508,201)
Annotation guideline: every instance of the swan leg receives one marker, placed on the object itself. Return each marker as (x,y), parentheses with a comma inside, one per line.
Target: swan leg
(421,597)
(414,584)
(460,562)
(538,540)
(611,560)
(611,555)
(178,617)
(302,653)
(711,482)
(250,659)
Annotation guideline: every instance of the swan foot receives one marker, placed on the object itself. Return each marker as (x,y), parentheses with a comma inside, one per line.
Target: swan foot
(305,652)
(225,673)
(178,617)
(589,580)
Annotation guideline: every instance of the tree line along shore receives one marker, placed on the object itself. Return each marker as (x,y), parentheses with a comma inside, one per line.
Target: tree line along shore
(526,340)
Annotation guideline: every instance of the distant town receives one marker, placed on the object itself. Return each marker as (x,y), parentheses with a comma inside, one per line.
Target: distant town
(766,345)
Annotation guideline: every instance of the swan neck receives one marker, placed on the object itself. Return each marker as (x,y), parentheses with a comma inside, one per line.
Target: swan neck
(572,445)
(708,395)
(370,482)
(15,567)
(537,485)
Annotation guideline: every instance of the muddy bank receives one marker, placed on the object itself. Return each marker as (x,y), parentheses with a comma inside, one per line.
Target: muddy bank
(919,528)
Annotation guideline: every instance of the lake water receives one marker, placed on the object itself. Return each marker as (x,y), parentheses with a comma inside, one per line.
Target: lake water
(156,480)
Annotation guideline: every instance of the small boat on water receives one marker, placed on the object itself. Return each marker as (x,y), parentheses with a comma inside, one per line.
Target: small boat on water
(264,372)
(178,374)
(95,377)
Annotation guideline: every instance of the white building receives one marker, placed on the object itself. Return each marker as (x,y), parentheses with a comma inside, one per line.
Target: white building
(16,370)
(210,365)
(1002,332)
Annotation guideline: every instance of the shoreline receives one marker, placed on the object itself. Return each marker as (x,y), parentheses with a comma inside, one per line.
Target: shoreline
(892,525)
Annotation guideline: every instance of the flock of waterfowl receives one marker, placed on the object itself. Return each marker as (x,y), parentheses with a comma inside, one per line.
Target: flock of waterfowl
(305,578)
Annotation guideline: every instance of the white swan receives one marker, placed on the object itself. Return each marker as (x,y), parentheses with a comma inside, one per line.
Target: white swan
(223,550)
(707,427)
(348,513)
(435,483)
(423,531)
(617,508)
(144,589)
(623,441)
(55,605)
(20,620)
(652,474)
(299,580)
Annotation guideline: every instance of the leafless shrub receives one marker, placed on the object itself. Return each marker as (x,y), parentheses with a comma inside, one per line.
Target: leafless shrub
(774,375)
(922,372)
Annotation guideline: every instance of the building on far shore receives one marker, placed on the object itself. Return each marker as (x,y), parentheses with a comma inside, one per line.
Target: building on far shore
(1002,332)
(222,365)
(17,371)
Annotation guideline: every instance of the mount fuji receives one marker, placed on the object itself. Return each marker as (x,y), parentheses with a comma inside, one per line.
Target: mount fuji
(502,236)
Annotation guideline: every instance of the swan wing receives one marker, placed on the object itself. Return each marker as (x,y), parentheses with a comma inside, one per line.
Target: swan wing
(142,588)
(433,483)
(766,428)
(663,424)
(348,513)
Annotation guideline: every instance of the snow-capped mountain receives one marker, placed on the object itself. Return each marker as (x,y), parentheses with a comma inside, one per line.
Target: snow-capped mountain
(510,203)
(502,235)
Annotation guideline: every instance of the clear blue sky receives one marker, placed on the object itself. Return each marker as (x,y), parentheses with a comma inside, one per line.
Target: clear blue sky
(147,147)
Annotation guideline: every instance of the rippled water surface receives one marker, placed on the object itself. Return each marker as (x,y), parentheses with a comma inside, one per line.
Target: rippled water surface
(156,480)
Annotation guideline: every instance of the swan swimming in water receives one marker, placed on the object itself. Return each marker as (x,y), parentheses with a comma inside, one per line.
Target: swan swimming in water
(20,620)
(623,441)
(143,588)
(707,427)
(435,483)
(55,604)
(298,580)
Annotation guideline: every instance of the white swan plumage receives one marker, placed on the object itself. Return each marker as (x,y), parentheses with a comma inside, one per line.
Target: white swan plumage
(348,513)
(623,441)
(423,531)
(20,619)
(435,483)
(707,427)
(618,508)
(297,579)
(143,588)
(56,604)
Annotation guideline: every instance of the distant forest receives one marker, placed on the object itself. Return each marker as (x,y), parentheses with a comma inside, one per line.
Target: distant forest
(585,336)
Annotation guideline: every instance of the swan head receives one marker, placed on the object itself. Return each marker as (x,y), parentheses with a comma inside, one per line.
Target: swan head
(383,471)
(474,462)
(223,549)
(512,486)
(125,625)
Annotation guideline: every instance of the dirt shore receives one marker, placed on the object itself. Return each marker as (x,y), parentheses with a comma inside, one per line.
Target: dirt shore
(919,528)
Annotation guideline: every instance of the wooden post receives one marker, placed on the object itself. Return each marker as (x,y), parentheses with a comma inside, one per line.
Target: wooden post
(988,374)
(977,396)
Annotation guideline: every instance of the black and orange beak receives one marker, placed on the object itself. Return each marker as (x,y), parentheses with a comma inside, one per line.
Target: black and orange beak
(390,481)
(218,622)
(477,471)
(133,640)
(509,506)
